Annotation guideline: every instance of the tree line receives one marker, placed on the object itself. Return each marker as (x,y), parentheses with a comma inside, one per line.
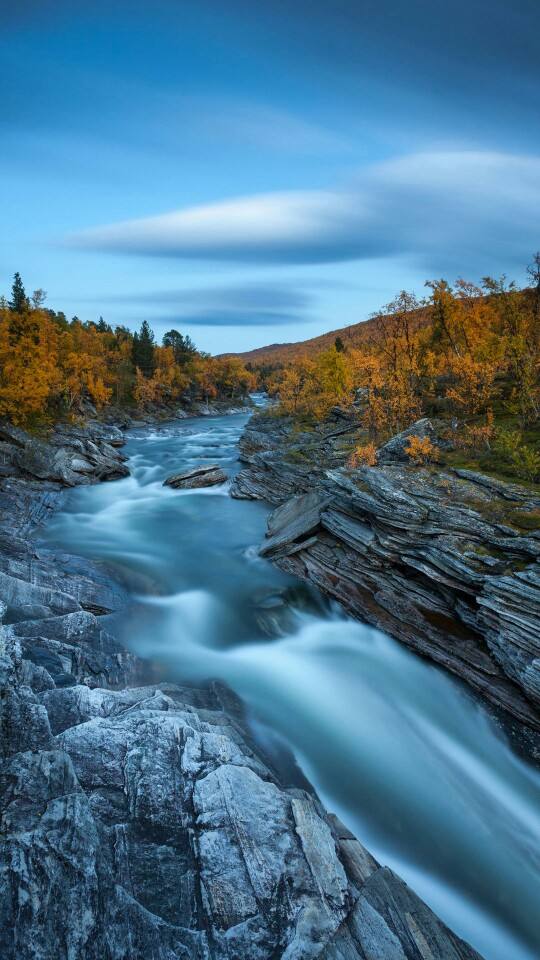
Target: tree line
(466,353)
(50,366)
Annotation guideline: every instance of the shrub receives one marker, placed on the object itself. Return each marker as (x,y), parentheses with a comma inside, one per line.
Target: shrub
(421,450)
(507,443)
(477,436)
(523,459)
(526,462)
(365,456)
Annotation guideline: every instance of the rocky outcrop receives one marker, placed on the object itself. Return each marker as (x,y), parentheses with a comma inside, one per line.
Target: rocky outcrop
(198,477)
(395,450)
(141,819)
(441,560)
(72,455)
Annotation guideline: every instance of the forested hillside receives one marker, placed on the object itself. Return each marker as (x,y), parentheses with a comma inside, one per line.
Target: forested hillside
(467,355)
(51,366)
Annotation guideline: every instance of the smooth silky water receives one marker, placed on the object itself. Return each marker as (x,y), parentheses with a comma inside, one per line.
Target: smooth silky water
(405,756)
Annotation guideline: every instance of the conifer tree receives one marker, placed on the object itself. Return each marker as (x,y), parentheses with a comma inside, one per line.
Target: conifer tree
(19,301)
(183,347)
(143,351)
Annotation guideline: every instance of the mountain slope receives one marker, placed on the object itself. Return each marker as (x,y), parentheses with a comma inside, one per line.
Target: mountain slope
(352,336)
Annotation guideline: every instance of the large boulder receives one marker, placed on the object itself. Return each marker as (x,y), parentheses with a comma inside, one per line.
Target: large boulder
(199,477)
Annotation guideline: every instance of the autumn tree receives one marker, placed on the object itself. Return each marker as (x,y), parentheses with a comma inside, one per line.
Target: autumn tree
(29,371)
(38,298)
(533,272)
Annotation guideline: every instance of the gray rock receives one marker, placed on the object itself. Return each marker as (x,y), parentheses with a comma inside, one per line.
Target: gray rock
(395,450)
(145,821)
(430,558)
(198,477)
(71,454)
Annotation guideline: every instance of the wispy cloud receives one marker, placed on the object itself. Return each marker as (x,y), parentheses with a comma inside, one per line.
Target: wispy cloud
(259,125)
(429,207)
(249,305)
(224,317)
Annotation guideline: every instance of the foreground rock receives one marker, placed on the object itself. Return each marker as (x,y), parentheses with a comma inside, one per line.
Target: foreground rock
(199,477)
(142,820)
(443,561)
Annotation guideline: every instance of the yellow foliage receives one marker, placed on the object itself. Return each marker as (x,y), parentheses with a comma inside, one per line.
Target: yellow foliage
(29,374)
(364,455)
(421,450)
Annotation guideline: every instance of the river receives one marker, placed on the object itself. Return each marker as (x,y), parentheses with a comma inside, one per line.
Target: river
(402,752)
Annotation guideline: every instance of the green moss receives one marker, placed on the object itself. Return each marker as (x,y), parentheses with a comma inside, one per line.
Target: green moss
(525,519)
(296,456)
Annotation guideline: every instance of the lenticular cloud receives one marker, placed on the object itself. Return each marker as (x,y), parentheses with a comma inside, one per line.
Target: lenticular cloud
(423,206)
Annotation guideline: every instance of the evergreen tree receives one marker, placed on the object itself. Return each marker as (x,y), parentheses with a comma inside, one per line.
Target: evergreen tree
(19,301)
(339,345)
(143,350)
(183,347)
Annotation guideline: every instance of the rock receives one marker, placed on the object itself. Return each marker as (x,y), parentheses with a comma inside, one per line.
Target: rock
(152,827)
(198,477)
(71,456)
(145,821)
(394,451)
(291,525)
(430,558)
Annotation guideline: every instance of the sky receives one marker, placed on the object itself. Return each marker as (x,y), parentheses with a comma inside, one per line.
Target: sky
(252,173)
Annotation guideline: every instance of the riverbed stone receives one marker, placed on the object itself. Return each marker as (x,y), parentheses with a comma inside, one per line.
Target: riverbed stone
(206,476)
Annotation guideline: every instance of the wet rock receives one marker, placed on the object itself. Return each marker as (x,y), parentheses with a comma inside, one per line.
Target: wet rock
(198,477)
(429,557)
(143,820)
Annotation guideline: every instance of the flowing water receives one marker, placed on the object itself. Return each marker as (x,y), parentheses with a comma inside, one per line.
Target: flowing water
(405,756)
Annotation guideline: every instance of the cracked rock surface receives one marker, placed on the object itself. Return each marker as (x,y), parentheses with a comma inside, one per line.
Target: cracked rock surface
(441,560)
(142,820)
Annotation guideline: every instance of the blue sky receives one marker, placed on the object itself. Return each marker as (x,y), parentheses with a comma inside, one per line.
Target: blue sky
(252,173)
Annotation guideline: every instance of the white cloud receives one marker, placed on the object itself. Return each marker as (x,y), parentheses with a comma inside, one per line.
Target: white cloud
(435,208)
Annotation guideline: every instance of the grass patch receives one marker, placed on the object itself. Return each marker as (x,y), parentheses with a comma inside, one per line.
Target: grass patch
(525,519)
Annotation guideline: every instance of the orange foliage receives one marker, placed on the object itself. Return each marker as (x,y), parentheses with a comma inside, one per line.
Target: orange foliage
(421,450)
(49,366)
(364,455)
(29,373)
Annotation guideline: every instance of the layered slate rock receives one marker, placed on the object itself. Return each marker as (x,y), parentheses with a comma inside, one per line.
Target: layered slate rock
(441,560)
(198,477)
(72,455)
(142,820)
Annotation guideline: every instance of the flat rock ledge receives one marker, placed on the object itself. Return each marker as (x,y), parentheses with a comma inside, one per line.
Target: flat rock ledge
(198,477)
(441,560)
(142,820)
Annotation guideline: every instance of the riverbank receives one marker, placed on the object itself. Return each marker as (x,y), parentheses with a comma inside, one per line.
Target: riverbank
(141,817)
(446,561)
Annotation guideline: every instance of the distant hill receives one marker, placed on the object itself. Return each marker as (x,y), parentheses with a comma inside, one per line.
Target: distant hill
(353,337)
